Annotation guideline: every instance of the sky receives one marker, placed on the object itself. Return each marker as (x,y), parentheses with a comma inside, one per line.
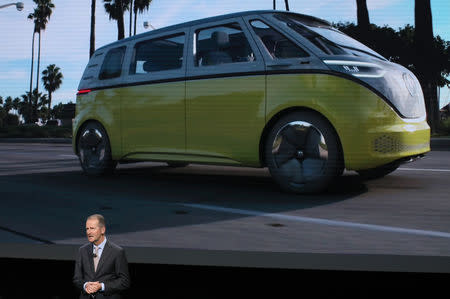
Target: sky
(65,42)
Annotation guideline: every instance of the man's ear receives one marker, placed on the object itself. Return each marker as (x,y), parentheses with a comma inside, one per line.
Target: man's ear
(103,230)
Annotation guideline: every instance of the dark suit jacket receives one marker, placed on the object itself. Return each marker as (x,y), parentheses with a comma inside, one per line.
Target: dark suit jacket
(112,270)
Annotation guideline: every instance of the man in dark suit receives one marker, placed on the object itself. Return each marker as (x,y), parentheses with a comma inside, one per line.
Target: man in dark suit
(101,268)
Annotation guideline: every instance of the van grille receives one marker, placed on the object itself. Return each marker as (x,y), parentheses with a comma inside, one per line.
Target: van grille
(388,144)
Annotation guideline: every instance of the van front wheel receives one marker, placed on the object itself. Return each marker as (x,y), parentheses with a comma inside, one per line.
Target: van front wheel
(94,150)
(303,153)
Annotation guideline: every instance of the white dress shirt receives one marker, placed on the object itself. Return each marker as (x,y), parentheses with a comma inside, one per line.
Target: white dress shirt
(99,253)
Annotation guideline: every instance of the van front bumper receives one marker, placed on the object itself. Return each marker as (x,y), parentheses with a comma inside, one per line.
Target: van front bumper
(396,142)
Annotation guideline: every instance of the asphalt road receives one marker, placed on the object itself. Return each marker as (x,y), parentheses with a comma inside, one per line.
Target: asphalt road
(44,199)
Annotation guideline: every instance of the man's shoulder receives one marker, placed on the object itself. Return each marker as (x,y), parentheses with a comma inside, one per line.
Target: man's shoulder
(114,245)
(85,246)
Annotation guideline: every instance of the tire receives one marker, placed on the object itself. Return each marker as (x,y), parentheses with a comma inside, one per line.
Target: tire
(177,164)
(378,172)
(303,153)
(94,150)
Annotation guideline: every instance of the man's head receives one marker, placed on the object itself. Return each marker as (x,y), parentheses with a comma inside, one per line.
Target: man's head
(95,229)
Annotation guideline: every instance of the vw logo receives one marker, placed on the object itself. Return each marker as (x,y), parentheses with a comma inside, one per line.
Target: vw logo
(409,83)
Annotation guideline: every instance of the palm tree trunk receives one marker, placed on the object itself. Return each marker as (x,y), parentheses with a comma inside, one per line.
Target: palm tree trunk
(363,17)
(92,37)
(31,77)
(39,61)
(120,29)
(34,108)
(135,20)
(49,102)
(120,23)
(424,48)
(32,62)
(286,2)
(131,14)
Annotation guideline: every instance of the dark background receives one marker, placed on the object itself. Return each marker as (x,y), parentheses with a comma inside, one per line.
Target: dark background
(27,278)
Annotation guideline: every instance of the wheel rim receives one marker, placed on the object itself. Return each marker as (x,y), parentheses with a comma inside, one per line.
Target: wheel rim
(300,153)
(92,147)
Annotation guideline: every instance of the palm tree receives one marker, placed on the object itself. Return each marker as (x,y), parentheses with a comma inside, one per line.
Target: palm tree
(16,104)
(115,10)
(45,11)
(33,16)
(31,105)
(140,6)
(92,37)
(286,3)
(52,78)
(363,17)
(8,105)
(41,15)
(423,43)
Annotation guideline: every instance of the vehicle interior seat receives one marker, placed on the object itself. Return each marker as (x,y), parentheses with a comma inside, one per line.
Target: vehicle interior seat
(219,54)
(150,66)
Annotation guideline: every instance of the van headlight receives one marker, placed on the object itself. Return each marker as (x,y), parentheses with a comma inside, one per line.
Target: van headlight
(357,68)
(397,86)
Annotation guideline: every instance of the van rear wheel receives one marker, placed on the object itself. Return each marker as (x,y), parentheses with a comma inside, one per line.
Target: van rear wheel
(303,153)
(94,150)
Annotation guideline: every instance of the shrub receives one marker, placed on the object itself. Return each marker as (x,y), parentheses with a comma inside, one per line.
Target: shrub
(11,120)
(35,131)
(444,126)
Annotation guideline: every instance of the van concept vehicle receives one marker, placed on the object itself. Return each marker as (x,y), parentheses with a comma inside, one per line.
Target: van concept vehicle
(257,89)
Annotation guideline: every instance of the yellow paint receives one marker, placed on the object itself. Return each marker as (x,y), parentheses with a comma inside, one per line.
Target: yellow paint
(221,120)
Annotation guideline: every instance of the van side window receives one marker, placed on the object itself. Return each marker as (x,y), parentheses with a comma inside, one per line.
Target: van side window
(156,55)
(112,65)
(277,44)
(222,44)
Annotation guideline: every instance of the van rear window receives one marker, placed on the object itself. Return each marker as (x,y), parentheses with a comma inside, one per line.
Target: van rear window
(112,65)
(158,55)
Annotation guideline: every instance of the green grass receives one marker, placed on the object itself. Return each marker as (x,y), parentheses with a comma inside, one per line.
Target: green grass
(35,131)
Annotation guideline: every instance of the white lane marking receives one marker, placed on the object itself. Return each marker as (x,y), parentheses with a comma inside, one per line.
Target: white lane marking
(324,221)
(69,156)
(425,169)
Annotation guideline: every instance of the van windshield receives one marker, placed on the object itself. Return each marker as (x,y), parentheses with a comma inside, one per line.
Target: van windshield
(326,38)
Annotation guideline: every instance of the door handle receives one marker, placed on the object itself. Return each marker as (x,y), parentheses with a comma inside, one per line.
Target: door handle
(277,65)
(281,65)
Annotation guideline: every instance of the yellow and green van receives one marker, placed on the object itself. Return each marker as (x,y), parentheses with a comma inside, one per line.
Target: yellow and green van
(257,89)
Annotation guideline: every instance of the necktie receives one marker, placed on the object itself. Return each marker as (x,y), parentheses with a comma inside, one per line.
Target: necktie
(96,258)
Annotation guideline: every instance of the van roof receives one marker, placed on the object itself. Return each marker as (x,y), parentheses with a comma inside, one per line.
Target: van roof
(212,19)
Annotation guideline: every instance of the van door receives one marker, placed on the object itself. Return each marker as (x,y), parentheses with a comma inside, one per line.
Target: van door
(225,93)
(153,103)
(290,66)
